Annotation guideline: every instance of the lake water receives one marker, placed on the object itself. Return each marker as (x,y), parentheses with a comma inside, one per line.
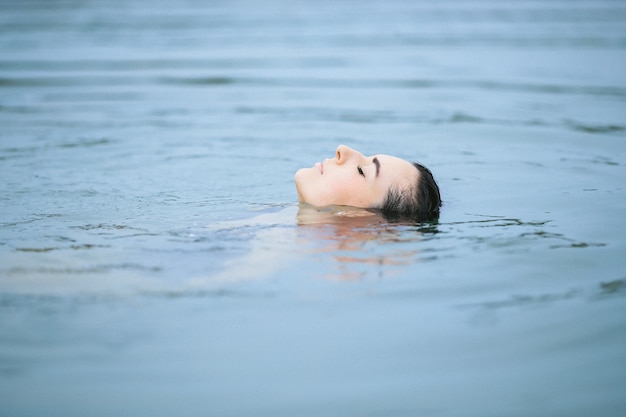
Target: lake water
(154,260)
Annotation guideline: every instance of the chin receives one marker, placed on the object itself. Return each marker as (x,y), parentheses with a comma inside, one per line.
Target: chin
(302,177)
(307,185)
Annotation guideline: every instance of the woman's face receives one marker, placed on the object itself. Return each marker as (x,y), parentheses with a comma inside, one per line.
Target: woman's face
(353,179)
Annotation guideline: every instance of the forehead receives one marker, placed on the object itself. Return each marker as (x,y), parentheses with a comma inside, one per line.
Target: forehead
(396,172)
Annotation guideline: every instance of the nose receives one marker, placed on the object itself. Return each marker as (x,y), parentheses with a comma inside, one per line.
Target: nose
(344,153)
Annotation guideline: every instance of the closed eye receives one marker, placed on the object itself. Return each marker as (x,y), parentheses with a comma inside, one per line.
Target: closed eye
(360,171)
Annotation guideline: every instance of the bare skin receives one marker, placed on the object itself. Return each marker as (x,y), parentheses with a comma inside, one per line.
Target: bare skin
(353,179)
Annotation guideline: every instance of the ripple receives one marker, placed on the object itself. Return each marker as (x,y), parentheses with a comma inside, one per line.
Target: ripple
(613,287)
(376,83)
(36,250)
(69,81)
(599,128)
(598,292)
(86,246)
(86,143)
(207,81)
(107,226)
(520,300)
(91,80)
(35,218)
(96,269)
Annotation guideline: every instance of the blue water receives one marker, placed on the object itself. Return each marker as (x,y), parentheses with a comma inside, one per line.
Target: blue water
(154,260)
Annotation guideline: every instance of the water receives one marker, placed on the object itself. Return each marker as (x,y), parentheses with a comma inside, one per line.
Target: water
(154,261)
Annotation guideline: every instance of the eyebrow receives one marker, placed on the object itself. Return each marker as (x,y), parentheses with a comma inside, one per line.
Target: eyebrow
(377,163)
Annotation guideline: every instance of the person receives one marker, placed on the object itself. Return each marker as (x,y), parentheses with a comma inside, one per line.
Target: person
(399,189)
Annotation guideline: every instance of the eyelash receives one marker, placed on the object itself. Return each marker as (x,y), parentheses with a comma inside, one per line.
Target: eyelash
(360,171)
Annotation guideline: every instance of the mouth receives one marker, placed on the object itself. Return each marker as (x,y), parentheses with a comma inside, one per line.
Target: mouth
(320,167)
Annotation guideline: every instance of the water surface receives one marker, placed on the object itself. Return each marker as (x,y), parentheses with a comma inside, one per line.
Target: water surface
(153,254)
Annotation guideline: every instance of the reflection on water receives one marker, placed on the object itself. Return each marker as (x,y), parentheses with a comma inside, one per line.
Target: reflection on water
(345,242)
(355,236)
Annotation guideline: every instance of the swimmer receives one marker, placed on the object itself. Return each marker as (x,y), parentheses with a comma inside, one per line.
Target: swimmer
(395,187)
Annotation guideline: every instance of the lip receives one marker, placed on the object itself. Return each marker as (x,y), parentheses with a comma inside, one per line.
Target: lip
(320,167)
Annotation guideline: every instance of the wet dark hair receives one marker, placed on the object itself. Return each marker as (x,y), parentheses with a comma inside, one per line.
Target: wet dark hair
(420,203)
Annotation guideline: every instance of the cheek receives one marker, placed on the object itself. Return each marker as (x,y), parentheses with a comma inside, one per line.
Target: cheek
(331,189)
(350,192)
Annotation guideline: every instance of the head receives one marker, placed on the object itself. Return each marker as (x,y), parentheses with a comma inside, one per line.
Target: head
(396,187)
